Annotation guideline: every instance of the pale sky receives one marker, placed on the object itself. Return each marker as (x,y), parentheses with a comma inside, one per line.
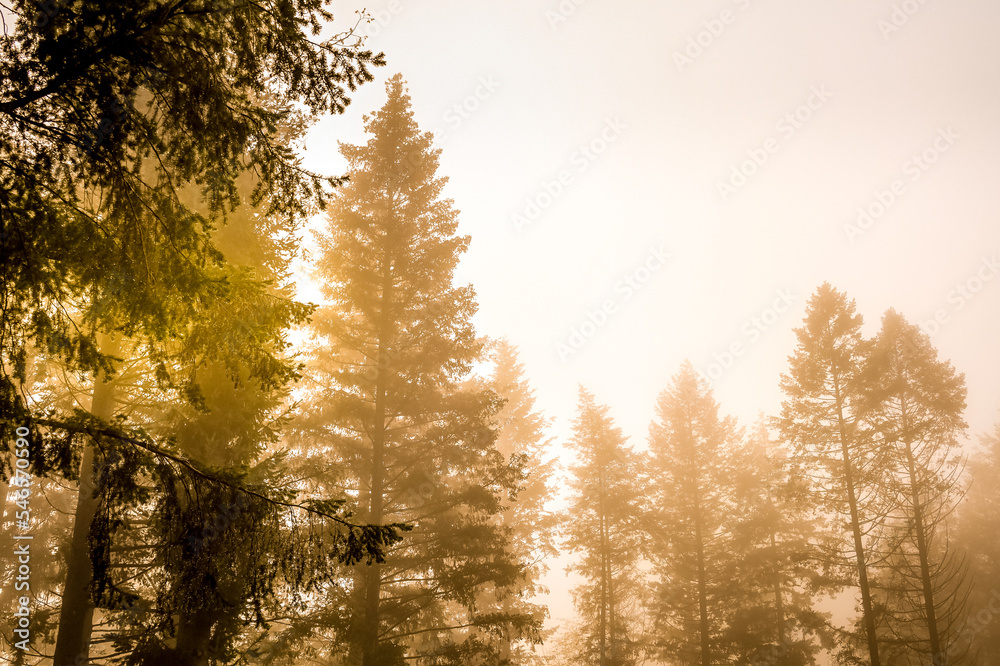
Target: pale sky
(883,105)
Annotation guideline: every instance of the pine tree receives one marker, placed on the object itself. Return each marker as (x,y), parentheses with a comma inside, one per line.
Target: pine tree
(915,402)
(691,447)
(109,111)
(392,405)
(532,527)
(604,526)
(235,342)
(776,563)
(819,418)
(978,526)
(208,578)
(221,419)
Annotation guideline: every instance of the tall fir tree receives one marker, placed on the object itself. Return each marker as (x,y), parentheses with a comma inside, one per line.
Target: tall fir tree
(212,540)
(819,418)
(691,447)
(532,526)
(101,134)
(394,408)
(915,404)
(978,526)
(144,516)
(605,529)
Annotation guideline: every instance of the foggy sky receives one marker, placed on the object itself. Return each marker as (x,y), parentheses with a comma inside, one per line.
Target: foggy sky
(743,140)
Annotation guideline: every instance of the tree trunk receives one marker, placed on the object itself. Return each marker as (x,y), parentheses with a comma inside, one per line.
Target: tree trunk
(193,638)
(76,614)
(706,658)
(779,605)
(859,548)
(699,545)
(612,628)
(604,578)
(373,577)
(505,649)
(938,656)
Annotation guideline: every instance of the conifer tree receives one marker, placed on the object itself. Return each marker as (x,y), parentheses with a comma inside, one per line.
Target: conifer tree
(915,402)
(228,424)
(393,408)
(978,526)
(532,527)
(819,418)
(691,447)
(221,419)
(776,566)
(108,111)
(604,527)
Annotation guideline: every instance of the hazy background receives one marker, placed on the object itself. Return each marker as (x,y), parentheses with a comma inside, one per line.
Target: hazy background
(515,90)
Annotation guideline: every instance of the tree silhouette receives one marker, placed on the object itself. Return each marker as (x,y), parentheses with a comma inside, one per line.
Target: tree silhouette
(914,402)
(393,405)
(605,528)
(819,417)
(691,447)
(777,568)
(532,527)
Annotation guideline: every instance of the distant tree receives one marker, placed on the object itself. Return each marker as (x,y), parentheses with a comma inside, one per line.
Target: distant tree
(914,403)
(392,406)
(692,514)
(776,564)
(819,418)
(978,526)
(532,527)
(604,527)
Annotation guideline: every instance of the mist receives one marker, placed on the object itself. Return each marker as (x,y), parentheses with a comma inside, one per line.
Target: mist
(559,333)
